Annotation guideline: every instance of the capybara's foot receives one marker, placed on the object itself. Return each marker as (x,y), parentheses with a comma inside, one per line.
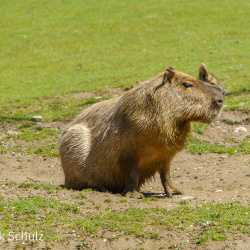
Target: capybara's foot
(134,194)
(172,191)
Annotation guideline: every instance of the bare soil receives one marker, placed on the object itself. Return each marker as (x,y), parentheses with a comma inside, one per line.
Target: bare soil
(211,177)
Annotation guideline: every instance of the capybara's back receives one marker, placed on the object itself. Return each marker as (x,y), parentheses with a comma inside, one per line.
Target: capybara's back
(118,144)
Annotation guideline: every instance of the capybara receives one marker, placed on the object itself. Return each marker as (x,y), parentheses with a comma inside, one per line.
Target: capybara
(116,145)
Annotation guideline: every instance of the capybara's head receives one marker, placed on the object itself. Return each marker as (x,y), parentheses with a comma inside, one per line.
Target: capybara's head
(193,99)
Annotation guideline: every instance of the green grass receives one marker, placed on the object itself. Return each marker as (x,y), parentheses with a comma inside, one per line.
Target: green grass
(35,135)
(44,151)
(42,186)
(25,215)
(107,201)
(47,141)
(81,196)
(3,149)
(240,102)
(50,110)
(149,199)
(53,48)
(123,201)
(196,145)
(209,221)
(199,127)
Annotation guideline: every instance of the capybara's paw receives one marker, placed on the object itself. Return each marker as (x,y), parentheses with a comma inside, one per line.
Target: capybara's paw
(171,191)
(134,194)
(177,191)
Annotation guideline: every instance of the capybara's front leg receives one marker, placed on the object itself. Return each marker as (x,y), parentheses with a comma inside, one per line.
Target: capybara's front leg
(131,188)
(169,187)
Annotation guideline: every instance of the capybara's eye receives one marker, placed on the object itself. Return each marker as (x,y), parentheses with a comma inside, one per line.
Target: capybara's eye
(187,85)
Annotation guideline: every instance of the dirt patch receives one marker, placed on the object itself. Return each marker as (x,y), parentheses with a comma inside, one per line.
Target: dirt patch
(231,125)
(207,178)
(107,92)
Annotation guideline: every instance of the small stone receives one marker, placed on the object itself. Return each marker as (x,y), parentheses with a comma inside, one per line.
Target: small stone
(187,198)
(240,129)
(37,118)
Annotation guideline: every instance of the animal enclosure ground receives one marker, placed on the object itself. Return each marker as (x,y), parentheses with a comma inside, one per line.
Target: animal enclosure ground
(32,199)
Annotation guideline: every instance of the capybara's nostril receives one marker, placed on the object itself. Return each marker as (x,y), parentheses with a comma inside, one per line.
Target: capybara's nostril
(219,102)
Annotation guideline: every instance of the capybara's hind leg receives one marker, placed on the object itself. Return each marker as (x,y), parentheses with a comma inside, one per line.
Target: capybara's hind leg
(74,149)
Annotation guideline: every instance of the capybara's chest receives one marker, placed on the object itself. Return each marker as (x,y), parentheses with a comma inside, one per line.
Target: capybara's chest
(148,157)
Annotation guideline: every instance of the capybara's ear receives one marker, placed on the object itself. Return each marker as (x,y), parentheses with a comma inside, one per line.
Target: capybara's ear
(168,75)
(203,72)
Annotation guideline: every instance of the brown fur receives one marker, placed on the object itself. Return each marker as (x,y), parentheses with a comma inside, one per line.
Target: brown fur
(118,144)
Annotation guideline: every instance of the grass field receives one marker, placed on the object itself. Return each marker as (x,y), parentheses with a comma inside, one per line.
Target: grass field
(50,49)
(211,221)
